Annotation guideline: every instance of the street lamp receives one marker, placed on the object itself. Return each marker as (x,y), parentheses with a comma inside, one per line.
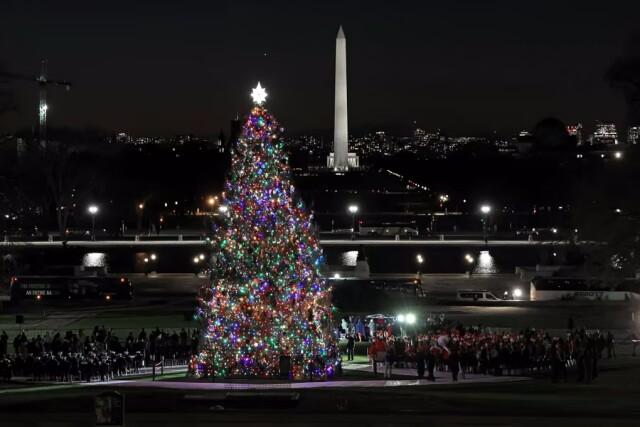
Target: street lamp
(485,210)
(353,210)
(93,210)
(403,319)
(140,212)
(470,260)
(444,198)
(419,260)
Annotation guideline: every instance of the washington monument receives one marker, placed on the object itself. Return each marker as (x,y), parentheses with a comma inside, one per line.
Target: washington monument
(341,125)
(341,160)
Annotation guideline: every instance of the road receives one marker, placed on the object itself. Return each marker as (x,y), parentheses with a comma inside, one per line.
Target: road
(323,242)
(166,300)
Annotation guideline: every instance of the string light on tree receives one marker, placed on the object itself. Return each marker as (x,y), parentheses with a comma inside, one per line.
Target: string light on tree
(266,299)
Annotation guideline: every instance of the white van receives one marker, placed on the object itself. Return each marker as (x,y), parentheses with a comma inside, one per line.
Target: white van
(476,295)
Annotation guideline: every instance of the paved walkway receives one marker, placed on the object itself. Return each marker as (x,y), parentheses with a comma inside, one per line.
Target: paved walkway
(381,383)
(442,378)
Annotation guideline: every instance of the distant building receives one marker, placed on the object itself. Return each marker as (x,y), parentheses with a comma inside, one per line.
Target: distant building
(220,143)
(633,136)
(575,131)
(524,142)
(123,138)
(605,134)
(235,131)
(382,143)
(353,161)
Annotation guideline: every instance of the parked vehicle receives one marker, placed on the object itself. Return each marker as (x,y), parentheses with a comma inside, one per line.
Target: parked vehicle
(477,296)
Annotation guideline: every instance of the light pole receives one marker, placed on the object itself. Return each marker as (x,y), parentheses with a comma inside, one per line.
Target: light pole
(470,260)
(408,319)
(93,210)
(140,213)
(485,210)
(444,198)
(211,201)
(419,260)
(353,210)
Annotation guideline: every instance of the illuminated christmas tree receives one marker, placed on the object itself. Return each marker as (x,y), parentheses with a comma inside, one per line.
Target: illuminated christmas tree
(266,306)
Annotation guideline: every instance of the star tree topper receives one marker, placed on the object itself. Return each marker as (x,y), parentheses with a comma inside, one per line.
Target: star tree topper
(258,94)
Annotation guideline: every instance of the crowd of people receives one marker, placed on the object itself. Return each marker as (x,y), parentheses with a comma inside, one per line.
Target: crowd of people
(102,355)
(461,350)
(98,355)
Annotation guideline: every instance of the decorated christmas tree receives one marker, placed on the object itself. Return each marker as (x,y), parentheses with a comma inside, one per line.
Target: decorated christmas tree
(266,309)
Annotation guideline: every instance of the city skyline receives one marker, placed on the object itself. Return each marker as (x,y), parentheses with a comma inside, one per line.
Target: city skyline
(473,69)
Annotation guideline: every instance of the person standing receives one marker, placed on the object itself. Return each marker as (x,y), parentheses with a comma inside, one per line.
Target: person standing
(360,330)
(379,353)
(580,350)
(454,363)
(389,358)
(421,355)
(611,346)
(372,329)
(351,344)
(554,357)
(344,325)
(589,354)
(562,355)
(432,356)
(4,340)
(371,351)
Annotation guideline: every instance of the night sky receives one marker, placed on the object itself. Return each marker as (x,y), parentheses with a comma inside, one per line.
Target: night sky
(160,67)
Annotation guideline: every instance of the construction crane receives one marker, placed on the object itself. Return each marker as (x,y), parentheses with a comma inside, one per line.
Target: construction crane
(43,83)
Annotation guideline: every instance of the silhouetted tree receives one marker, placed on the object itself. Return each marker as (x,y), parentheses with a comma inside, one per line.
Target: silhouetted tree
(6,97)
(602,211)
(624,74)
(551,134)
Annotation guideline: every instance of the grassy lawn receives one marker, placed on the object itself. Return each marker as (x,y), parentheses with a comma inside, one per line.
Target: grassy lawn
(121,321)
(614,395)
(133,323)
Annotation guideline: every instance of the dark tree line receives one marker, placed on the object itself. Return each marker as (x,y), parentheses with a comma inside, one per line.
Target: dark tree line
(6,96)
(624,74)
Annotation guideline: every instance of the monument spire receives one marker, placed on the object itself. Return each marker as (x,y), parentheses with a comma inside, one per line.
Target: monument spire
(341,125)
